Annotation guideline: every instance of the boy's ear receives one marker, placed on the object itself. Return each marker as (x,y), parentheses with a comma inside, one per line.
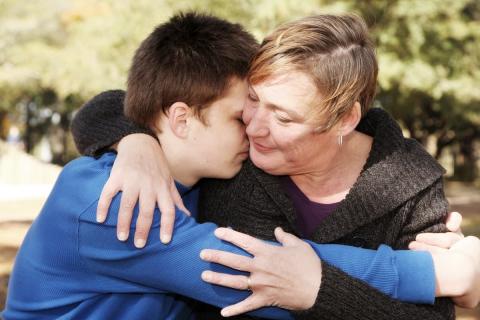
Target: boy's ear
(178,114)
(350,121)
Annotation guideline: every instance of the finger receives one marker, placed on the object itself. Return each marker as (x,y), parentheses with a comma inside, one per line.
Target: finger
(127,204)
(285,238)
(226,280)
(109,191)
(248,243)
(442,240)
(145,218)
(253,302)
(177,199)
(420,246)
(167,218)
(454,222)
(228,259)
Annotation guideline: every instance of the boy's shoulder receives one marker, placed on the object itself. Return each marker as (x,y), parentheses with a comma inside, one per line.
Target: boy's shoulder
(87,171)
(81,181)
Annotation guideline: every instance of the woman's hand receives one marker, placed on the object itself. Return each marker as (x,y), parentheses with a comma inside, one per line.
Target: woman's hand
(424,241)
(286,276)
(141,172)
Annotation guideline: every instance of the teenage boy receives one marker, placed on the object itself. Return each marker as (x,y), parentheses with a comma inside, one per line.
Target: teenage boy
(187,84)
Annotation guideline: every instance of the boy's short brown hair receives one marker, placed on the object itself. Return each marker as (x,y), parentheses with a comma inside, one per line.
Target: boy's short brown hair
(191,58)
(335,51)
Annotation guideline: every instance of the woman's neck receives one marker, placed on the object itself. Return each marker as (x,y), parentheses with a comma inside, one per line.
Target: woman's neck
(331,183)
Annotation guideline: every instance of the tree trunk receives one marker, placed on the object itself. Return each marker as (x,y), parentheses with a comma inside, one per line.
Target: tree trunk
(28,126)
(465,162)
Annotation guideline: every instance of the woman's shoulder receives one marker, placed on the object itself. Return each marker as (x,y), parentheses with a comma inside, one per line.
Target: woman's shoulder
(393,150)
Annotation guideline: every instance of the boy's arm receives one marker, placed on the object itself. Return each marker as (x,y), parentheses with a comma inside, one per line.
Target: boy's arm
(177,267)
(274,268)
(100,123)
(426,215)
(401,274)
(172,268)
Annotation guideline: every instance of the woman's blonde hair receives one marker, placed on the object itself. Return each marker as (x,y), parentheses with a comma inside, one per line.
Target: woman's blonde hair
(337,54)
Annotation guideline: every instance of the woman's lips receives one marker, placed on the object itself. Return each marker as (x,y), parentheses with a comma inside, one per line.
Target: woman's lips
(261,147)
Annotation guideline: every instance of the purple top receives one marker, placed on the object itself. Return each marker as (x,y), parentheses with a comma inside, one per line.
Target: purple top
(309,214)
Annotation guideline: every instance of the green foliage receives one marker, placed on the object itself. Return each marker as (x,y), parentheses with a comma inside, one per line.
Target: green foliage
(429,52)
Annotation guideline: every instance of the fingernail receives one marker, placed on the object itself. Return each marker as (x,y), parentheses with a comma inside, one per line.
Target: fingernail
(165,238)
(122,236)
(140,243)
(100,219)
(225,313)
(203,255)
(220,232)
(206,276)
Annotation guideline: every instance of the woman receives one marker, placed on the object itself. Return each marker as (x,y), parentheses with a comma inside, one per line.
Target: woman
(333,170)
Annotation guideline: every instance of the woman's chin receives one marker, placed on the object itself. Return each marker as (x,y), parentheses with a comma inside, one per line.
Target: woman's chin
(264,163)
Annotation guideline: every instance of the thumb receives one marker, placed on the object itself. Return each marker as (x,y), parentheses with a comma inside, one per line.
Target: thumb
(285,238)
(420,246)
(454,221)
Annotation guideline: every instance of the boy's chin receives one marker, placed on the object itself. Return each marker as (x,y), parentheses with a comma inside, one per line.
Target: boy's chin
(230,172)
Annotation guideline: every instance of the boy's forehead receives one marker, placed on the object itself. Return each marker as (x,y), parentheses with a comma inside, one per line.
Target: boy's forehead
(234,99)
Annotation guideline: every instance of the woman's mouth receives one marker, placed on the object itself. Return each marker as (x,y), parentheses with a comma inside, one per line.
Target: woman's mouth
(261,148)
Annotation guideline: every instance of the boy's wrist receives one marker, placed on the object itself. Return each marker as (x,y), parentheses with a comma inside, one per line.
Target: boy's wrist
(452,273)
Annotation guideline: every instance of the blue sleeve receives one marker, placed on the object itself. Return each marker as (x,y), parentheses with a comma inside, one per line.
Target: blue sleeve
(405,275)
(172,268)
(177,267)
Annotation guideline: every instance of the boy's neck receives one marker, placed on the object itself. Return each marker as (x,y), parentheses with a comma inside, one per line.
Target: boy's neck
(179,161)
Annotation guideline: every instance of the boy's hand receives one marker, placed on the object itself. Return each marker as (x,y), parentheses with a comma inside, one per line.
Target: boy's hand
(140,171)
(452,252)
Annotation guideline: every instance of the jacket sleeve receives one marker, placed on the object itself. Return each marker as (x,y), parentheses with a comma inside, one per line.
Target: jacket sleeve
(159,268)
(100,123)
(343,297)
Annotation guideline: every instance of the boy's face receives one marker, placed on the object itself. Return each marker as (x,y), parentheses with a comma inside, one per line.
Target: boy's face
(220,146)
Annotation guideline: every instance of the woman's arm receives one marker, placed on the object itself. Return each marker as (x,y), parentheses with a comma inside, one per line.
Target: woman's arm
(100,123)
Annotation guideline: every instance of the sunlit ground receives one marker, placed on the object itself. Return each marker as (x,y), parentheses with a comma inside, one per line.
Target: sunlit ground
(16,216)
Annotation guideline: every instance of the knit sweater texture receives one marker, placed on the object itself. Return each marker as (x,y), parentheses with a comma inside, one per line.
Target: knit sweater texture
(398,195)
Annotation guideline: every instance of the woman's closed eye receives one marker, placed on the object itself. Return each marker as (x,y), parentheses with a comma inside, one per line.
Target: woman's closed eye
(283,119)
(252,97)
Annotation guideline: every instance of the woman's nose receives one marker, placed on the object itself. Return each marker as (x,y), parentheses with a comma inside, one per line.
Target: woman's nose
(257,124)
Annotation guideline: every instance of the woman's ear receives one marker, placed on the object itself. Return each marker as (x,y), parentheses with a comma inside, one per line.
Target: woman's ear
(350,121)
(178,114)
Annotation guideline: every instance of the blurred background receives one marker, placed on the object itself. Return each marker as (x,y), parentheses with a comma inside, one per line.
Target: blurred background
(56,54)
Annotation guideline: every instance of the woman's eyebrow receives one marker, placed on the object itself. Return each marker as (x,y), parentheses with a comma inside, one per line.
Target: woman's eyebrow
(290,112)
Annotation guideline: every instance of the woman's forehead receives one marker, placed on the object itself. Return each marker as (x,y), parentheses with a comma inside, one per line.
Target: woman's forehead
(292,89)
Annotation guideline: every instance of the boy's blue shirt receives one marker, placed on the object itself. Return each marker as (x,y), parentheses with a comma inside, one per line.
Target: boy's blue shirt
(71,267)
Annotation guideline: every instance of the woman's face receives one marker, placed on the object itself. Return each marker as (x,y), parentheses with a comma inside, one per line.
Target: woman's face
(282,139)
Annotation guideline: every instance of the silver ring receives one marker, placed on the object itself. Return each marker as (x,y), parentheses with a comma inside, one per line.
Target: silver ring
(249,284)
